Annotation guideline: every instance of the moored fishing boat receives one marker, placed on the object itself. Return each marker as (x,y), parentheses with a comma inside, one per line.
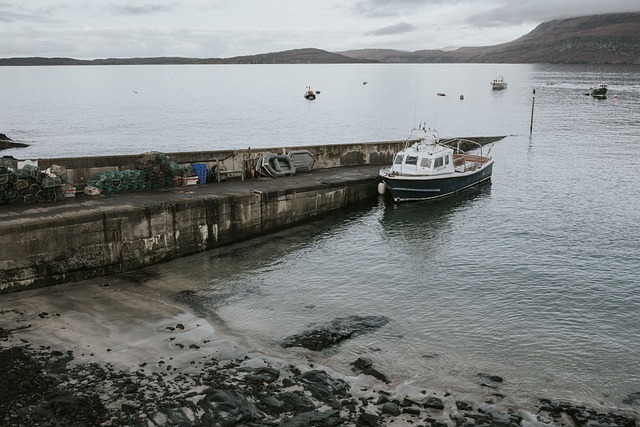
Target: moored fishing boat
(599,90)
(430,169)
(309,94)
(498,83)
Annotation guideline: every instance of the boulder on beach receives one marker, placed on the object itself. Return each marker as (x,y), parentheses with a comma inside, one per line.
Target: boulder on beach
(336,331)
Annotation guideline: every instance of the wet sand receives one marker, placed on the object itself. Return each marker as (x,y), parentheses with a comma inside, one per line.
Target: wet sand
(121,326)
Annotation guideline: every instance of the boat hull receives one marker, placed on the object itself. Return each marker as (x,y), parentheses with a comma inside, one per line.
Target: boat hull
(407,188)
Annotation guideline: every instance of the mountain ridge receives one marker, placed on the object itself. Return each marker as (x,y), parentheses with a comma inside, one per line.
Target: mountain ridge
(594,39)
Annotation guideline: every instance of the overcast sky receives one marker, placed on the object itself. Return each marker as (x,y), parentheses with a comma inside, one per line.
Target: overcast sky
(226,28)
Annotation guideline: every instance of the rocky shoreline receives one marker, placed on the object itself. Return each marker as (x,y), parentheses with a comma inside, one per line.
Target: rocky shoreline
(108,357)
(6,142)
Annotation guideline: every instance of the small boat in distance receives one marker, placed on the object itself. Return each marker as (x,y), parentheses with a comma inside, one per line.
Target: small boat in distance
(599,90)
(431,169)
(309,94)
(498,83)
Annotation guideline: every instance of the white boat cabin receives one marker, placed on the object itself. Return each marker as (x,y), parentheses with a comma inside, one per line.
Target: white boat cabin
(424,158)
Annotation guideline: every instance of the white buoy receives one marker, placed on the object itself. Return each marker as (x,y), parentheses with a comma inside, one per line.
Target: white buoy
(382,188)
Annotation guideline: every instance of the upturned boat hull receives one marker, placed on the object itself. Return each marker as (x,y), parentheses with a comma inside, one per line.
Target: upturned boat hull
(413,188)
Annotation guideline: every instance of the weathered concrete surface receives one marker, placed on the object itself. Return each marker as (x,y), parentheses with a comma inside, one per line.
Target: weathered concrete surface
(81,169)
(84,237)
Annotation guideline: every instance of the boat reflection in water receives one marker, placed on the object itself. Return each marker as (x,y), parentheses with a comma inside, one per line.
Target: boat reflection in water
(432,229)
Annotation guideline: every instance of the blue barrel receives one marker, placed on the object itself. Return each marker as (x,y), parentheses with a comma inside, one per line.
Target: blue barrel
(201,172)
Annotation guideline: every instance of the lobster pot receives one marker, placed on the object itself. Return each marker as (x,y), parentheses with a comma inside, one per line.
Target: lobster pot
(119,181)
(158,168)
(51,181)
(30,171)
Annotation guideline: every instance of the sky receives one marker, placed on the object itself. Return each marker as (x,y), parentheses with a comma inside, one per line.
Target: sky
(94,29)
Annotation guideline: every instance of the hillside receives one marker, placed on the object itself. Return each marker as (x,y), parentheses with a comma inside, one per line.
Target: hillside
(295,56)
(598,39)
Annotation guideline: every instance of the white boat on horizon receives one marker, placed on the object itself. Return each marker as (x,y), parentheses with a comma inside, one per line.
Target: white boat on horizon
(498,83)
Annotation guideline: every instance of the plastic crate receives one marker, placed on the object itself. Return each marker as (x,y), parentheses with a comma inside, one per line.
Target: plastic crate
(201,172)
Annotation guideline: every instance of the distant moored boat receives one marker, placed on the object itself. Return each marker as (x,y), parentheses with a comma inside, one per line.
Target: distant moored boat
(599,91)
(309,94)
(498,83)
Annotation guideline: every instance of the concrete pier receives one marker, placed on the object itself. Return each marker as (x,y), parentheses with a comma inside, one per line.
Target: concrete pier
(91,236)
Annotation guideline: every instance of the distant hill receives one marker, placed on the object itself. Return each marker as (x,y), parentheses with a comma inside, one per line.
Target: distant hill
(597,39)
(295,56)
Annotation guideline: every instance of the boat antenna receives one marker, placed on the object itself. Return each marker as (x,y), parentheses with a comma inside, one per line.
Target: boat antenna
(415,110)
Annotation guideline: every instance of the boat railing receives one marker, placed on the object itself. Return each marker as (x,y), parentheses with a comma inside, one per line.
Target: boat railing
(463,159)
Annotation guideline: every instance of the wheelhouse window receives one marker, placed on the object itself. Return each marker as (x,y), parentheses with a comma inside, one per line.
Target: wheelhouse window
(411,160)
(439,162)
(425,163)
(398,159)
(446,159)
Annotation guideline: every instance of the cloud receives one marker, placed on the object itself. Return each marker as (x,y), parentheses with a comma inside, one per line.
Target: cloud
(382,8)
(143,9)
(399,28)
(507,13)
(11,13)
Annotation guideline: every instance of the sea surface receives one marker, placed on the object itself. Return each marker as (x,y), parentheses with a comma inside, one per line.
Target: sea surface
(534,278)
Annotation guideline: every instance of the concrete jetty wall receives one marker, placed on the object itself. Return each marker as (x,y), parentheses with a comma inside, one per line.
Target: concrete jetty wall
(77,244)
(90,237)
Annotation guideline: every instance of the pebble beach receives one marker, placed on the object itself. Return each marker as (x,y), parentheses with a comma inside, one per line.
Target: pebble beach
(107,354)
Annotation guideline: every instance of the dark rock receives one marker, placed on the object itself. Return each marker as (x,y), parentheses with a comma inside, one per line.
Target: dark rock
(411,410)
(294,402)
(582,416)
(408,402)
(632,399)
(382,399)
(127,407)
(323,387)
(286,382)
(391,408)
(327,418)
(488,386)
(260,375)
(362,363)
(434,402)
(6,142)
(500,419)
(335,332)
(365,419)
(229,407)
(463,406)
(490,377)
(376,374)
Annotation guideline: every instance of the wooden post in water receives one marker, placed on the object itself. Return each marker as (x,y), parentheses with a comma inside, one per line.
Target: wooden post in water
(533,101)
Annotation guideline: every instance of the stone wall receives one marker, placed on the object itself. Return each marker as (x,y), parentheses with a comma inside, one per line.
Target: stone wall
(90,243)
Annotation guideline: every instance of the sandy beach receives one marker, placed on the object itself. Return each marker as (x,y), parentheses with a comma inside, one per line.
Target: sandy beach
(135,358)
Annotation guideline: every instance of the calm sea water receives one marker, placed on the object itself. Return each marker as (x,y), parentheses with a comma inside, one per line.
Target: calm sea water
(533,278)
